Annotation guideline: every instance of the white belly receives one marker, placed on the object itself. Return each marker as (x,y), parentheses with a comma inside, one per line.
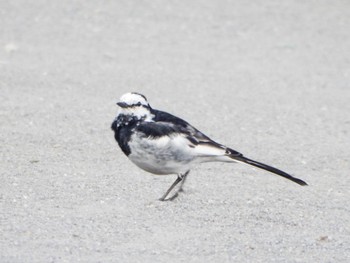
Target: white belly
(162,155)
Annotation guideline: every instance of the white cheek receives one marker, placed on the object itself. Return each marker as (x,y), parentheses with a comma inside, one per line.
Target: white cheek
(138,112)
(142,112)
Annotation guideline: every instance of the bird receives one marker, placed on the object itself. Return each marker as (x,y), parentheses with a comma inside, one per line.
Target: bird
(163,144)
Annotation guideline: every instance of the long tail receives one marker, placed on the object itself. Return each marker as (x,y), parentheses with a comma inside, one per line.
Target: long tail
(268,168)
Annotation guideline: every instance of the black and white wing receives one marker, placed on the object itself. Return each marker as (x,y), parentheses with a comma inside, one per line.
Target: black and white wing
(203,145)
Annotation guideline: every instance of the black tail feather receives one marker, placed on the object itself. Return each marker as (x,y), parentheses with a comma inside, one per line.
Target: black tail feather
(269,168)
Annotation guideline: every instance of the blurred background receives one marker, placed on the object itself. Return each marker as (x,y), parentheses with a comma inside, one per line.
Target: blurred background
(267,78)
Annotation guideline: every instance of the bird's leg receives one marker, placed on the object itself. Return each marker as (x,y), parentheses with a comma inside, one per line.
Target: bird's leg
(179,178)
(184,177)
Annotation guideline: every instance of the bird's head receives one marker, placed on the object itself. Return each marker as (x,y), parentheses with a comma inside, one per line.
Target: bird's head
(136,105)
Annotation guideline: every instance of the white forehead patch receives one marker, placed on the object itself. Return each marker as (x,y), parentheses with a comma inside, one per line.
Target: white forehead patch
(138,111)
(133,98)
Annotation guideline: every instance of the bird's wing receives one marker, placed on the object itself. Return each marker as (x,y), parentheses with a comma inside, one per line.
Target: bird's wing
(154,130)
(164,117)
(168,124)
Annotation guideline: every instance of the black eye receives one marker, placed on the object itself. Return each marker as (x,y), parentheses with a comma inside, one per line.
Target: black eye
(138,104)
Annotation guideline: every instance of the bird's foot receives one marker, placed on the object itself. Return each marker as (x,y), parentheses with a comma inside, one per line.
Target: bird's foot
(170,198)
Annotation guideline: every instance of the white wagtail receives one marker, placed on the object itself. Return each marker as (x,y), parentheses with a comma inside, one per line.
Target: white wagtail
(161,143)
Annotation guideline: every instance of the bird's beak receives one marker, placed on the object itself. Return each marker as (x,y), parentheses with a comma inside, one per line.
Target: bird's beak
(122,104)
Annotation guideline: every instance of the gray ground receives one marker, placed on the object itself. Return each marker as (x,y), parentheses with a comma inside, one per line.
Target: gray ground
(268,78)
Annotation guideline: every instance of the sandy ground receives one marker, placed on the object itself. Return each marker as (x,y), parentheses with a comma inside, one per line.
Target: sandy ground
(268,78)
